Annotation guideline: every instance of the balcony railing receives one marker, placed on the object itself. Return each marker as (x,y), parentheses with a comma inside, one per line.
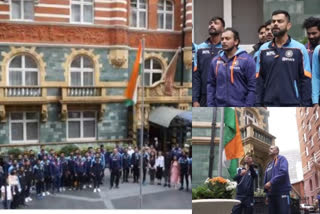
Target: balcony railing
(83,91)
(25,91)
(252,131)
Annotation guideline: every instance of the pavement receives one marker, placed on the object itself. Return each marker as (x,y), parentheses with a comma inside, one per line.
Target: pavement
(126,197)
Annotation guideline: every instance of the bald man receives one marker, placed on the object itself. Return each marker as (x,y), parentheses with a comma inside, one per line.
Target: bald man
(277,183)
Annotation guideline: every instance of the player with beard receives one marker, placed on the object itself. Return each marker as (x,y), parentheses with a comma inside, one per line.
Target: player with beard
(262,39)
(283,68)
(268,31)
(312,26)
(204,54)
(231,78)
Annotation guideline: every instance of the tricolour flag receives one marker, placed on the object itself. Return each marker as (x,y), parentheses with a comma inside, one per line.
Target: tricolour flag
(233,148)
(132,88)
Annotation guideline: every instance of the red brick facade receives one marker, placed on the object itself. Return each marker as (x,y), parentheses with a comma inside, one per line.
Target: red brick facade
(308,121)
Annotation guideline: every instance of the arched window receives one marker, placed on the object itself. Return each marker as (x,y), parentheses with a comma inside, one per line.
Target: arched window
(165,15)
(138,13)
(22,9)
(23,71)
(82,71)
(152,71)
(82,11)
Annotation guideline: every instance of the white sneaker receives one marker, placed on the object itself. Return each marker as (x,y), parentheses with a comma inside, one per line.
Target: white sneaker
(84,186)
(90,186)
(30,199)
(95,190)
(26,200)
(64,189)
(48,193)
(60,189)
(99,190)
(43,194)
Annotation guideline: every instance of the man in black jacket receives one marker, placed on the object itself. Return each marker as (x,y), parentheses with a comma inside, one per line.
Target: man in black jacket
(245,179)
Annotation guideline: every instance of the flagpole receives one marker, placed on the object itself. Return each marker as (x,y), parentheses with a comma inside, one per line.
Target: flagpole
(213,135)
(142,117)
(221,142)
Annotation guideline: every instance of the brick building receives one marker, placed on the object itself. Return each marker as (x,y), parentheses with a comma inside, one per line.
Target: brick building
(64,66)
(309,137)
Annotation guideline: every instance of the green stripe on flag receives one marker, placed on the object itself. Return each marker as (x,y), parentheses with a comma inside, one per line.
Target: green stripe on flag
(233,168)
(230,125)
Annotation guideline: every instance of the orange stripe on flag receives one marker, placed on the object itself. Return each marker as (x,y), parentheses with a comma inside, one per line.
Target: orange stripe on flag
(134,76)
(234,149)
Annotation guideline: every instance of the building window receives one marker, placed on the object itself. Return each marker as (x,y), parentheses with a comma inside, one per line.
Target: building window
(307,111)
(301,112)
(250,118)
(81,71)
(309,165)
(316,179)
(23,71)
(307,151)
(138,14)
(311,140)
(24,127)
(319,132)
(303,125)
(165,15)
(81,125)
(305,137)
(82,11)
(22,9)
(152,71)
(317,115)
(310,184)
(309,126)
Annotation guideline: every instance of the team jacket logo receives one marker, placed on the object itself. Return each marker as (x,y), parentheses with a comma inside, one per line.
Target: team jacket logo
(289,53)
(205,52)
(270,53)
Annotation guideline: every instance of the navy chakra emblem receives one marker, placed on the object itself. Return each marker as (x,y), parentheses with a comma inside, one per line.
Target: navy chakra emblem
(289,53)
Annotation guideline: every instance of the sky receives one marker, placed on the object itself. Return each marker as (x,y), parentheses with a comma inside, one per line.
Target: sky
(283,125)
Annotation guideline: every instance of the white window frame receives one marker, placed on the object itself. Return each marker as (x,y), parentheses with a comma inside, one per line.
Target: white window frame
(317,115)
(319,132)
(24,121)
(307,151)
(165,12)
(21,11)
(23,69)
(312,142)
(307,111)
(81,3)
(81,70)
(308,165)
(152,71)
(248,118)
(304,137)
(81,120)
(138,10)
(309,125)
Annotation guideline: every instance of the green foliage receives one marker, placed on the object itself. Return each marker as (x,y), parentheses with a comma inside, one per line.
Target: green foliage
(212,191)
(67,149)
(259,193)
(15,152)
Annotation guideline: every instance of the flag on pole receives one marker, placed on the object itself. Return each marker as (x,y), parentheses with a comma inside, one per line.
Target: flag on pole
(232,142)
(131,93)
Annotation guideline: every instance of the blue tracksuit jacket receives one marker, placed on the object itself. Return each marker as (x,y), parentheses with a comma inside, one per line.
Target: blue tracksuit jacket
(280,181)
(204,53)
(232,82)
(283,75)
(316,75)
(245,183)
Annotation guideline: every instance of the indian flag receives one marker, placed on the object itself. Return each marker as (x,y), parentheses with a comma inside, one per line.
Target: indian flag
(233,148)
(132,88)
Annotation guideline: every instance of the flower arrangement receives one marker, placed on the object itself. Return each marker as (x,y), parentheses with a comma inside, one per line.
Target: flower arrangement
(213,188)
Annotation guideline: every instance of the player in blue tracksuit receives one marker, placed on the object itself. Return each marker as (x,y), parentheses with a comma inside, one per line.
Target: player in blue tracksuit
(115,167)
(80,172)
(56,173)
(312,26)
(316,75)
(277,183)
(245,188)
(183,164)
(38,173)
(47,174)
(96,172)
(204,54)
(283,68)
(125,165)
(231,79)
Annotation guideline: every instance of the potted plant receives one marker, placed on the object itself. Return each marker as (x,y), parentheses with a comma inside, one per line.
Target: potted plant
(215,194)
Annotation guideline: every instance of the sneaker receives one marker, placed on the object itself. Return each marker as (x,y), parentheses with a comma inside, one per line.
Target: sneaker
(95,190)
(43,194)
(99,190)
(64,189)
(84,186)
(60,189)
(26,200)
(48,193)
(30,199)
(90,186)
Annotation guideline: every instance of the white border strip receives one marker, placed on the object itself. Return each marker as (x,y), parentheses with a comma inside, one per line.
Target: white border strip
(53,5)
(111,1)
(110,19)
(4,13)
(51,15)
(110,9)
(189,4)
(5,3)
